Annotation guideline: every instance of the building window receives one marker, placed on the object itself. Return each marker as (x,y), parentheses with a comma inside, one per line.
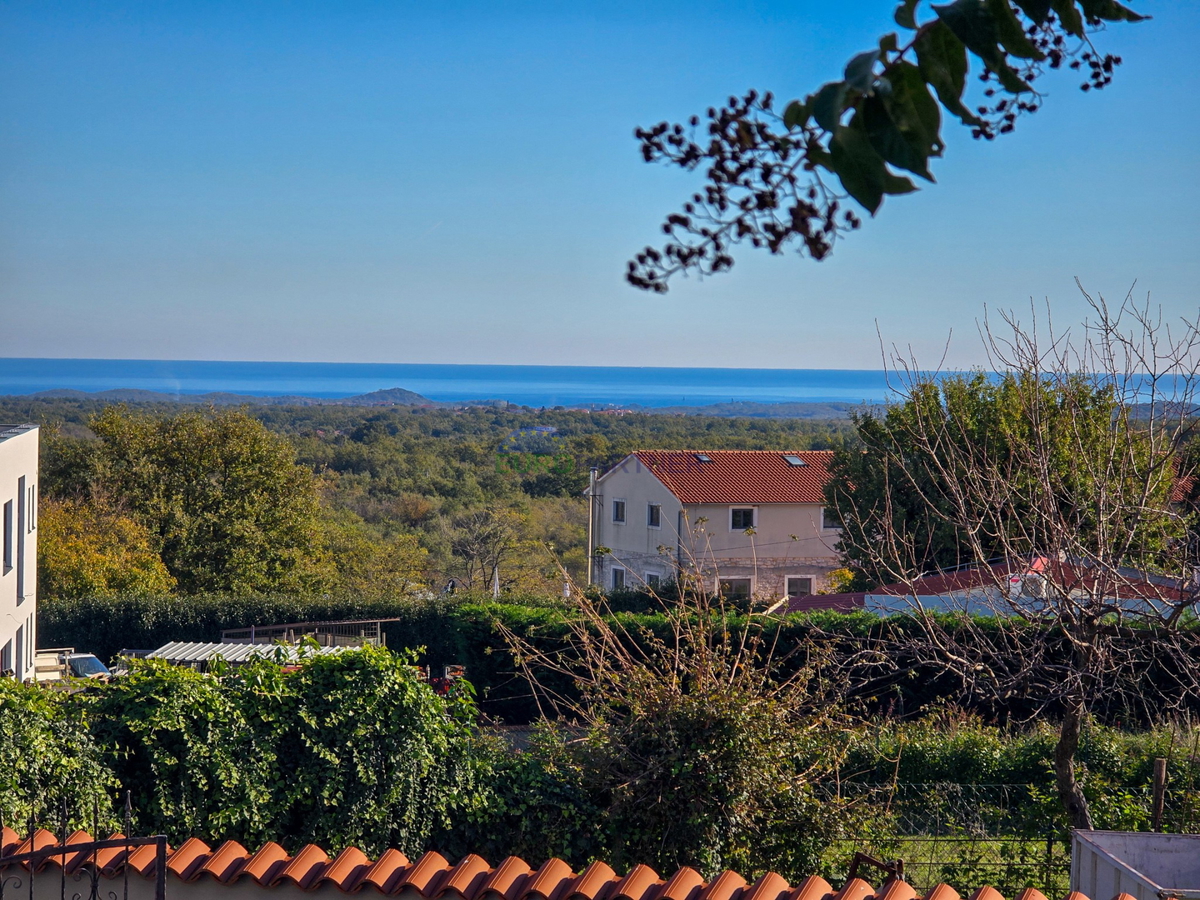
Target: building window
(619,512)
(618,578)
(653,515)
(798,586)
(8,537)
(734,588)
(653,580)
(31,508)
(6,660)
(829,519)
(741,519)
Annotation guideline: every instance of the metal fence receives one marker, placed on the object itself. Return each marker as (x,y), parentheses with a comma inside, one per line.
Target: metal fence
(19,872)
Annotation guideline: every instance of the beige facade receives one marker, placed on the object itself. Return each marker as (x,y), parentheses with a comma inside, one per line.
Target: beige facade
(711,541)
(18,545)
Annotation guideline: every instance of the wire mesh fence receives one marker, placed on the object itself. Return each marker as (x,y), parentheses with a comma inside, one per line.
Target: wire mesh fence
(1008,836)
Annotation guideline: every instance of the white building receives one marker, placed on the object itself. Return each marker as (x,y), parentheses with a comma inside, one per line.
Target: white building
(746,522)
(18,542)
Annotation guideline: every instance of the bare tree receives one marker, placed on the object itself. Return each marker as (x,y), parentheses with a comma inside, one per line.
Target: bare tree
(1047,484)
(700,738)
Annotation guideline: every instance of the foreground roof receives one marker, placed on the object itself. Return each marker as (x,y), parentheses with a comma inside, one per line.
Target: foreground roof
(432,876)
(740,476)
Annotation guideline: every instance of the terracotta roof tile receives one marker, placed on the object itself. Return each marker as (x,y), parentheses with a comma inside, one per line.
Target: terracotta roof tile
(466,878)
(726,886)
(769,887)
(739,476)
(347,869)
(813,887)
(686,884)
(897,890)
(227,862)
(432,876)
(387,871)
(426,875)
(550,881)
(73,862)
(187,860)
(507,880)
(305,867)
(594,883)
(266,863)
(640,884)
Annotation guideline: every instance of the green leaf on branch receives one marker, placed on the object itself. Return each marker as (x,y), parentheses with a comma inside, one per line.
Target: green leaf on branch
(1012,33)
(795,115)
(975,26)
(1037,10)
(906,14)
(862,171)
(1071,20)
(904,125)
(889,43)
(1110,11)
(942,60)
(828,105)
(860,71)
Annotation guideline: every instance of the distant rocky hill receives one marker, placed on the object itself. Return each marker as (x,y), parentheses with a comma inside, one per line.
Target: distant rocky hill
(388,397)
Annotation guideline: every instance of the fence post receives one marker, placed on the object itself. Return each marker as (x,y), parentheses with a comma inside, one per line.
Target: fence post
(160,867)
(1160,791)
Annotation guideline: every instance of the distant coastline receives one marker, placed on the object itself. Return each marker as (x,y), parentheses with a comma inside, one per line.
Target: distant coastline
(820,393)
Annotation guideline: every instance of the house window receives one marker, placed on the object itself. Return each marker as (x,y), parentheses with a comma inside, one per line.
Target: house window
(31,508)
(734,588)
(829,518)
(741,519)
(794,460)
(653,580)
(8,537)
(6,660)
(653,515)
(619,512)
(618,578)
(798,586)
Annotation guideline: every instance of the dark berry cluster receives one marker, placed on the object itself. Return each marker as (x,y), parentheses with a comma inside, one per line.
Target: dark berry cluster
(762,187)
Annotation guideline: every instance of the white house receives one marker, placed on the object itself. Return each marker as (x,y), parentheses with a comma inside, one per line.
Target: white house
(18,571)
(745,522)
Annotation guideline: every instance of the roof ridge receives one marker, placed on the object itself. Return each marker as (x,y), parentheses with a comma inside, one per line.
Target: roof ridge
(472,877)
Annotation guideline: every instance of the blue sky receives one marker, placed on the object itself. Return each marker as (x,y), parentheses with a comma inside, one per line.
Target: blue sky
(458,182)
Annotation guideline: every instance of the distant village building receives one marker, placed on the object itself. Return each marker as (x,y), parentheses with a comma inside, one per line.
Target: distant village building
(18,544)
(744,522)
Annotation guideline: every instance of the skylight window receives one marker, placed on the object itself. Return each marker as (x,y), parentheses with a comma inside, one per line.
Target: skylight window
(794,460)
(703,457)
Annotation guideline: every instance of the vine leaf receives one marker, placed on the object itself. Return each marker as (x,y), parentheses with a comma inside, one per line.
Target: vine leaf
(861,169)
(942,59)
(975,26)
(860,71)
(904,124)
(1011,33)
(906,14)
(1110,11)
(828,105)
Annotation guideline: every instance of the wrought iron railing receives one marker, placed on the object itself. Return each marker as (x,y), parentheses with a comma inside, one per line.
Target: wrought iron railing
(20,870)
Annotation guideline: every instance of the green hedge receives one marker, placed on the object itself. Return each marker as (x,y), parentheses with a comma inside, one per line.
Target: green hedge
(469,630)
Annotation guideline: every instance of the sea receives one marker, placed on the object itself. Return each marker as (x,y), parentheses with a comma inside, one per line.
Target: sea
(536,386)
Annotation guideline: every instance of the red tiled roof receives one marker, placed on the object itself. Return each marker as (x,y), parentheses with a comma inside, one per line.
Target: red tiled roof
(434,878)
(740,476)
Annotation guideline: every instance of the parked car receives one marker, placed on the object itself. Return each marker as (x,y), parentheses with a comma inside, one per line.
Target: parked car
(62,663)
